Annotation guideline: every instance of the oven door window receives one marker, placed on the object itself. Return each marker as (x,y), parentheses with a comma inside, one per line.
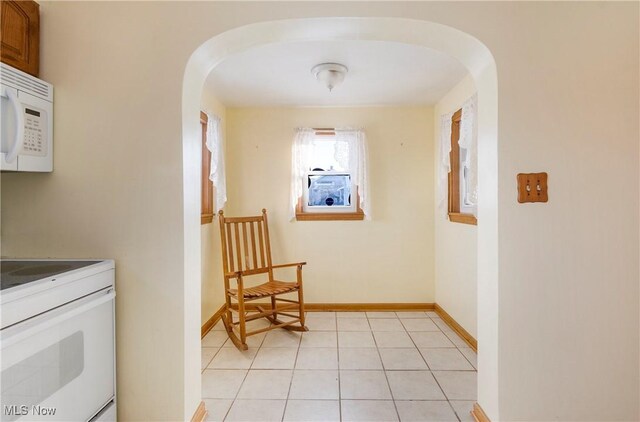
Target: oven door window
(59,365)
(34,379)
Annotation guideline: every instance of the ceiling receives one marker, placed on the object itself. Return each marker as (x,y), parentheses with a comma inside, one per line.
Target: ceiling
(380,73)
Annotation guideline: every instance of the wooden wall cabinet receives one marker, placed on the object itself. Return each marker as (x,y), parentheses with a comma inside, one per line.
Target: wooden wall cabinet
(20,35)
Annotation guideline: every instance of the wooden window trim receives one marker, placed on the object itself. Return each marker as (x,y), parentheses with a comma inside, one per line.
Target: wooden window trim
(455,216)
(358,215)
(206,210)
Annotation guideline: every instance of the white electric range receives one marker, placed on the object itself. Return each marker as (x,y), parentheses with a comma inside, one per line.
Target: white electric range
(57,338)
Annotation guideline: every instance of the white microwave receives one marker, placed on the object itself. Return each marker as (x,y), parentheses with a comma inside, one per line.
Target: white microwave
(26,126)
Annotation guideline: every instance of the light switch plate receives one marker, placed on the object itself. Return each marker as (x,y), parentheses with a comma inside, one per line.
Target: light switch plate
(532,187)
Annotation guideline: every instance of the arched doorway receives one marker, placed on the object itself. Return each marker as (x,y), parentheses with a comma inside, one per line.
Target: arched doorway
(468,50)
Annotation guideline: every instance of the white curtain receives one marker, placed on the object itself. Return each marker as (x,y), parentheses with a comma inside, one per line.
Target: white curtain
(301,152)
(217,174)
(444,166)
(469,141)
(350,153)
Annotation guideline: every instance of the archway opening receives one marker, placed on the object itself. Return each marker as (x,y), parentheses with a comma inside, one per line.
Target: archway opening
(465,48)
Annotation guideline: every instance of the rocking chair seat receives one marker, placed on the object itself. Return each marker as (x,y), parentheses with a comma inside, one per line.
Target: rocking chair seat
(266,289)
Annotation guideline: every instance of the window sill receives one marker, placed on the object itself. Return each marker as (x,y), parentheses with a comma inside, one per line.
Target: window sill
(329,216)
(456,217)
(206,218)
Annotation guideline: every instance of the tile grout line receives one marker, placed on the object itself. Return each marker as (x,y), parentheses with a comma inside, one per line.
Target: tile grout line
(338,352)
(431,370)
(207,368)
(217,351)
(293,372)
(419,352)
(465,356)
(384,371)
(243,379)
(466,346)
(236,395)
(210,360)
(454,411)
(438,382)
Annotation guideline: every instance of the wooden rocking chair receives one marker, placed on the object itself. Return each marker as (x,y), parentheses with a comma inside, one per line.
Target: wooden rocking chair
(246,251)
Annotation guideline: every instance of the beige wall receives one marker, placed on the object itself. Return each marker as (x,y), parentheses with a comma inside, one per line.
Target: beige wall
(569,106)
(212,283)
(567,327)
(456,244)
(387,259)
(116,188)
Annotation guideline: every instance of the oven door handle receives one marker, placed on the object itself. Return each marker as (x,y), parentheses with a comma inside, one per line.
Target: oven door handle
(52,321)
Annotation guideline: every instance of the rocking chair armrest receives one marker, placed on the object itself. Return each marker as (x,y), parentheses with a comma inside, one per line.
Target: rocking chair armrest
(237,274)
(293,264)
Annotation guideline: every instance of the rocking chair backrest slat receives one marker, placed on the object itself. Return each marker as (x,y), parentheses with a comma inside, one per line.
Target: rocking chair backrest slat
(229,242)
(253,247)
(246,246)
(261,242)
(240,251)
(238,247)
(267,242)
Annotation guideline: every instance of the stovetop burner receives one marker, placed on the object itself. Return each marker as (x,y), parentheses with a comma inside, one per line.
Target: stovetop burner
(16,273)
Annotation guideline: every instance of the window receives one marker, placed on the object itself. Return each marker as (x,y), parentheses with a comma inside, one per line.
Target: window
(329,183)
(328,180)
(206,209)
(461,190)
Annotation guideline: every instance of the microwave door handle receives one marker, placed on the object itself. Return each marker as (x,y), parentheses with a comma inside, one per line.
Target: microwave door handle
(14,149)
(52,321)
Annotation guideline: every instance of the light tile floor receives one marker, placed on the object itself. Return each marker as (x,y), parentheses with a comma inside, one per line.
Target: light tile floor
(350,366)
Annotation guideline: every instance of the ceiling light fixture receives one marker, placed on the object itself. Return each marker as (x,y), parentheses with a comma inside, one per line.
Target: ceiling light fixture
(331,74)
